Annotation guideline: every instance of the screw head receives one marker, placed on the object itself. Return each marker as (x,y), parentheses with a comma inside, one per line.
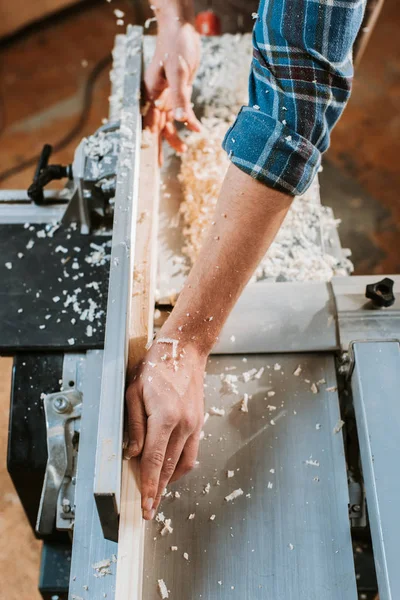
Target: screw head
(61,404)
(356,508)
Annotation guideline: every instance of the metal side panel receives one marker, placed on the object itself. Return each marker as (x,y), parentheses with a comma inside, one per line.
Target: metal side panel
(287,537)
(281,317)
(89,546)
(357,320)
(107,486)
(376,396)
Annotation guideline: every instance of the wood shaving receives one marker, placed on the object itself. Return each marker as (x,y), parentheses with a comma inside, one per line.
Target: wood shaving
(175,343)
(186,556)
(167,527)
(271,394)
(314,388)
(162,588)
(218,412)
(191,516)
(332,389)
(229,382)
(234,494)
(277,367)
(174,548)
(248,375)
(102,568)
(312,463)
(259,373)
(298,371)
(230,474)
(338,427)
(244,406)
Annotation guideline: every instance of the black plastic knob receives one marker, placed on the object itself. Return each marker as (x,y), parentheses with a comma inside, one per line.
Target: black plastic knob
(381,293)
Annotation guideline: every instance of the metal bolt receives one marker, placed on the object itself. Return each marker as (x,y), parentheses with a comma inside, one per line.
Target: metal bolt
(356,508)
(61,404)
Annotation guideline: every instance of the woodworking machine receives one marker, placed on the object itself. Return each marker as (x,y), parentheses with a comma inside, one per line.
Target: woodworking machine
(315,455)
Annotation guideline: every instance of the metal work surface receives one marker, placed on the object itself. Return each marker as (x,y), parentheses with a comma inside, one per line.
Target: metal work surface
(107,486)
(89,545)
(376,396)
(357,319)
(30,213)
(288,536)
(54,288)
(281,317)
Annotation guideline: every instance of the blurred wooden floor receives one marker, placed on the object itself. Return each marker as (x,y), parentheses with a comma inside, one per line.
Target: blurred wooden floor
(41,82)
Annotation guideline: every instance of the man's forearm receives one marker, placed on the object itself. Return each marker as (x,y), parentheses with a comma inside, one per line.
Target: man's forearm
(247,218)
(165,10)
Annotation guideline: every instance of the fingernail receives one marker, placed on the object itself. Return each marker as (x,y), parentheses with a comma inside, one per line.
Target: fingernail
(148,504)
(148,515)
(179,113)
(131,450)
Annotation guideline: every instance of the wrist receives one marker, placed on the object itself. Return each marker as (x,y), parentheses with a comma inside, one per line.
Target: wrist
(175,13)
(188,335)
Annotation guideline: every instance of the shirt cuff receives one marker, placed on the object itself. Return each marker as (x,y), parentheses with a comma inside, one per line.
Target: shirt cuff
(271,152)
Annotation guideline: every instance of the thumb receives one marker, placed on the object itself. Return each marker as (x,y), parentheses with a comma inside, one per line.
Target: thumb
(137,422)
(178,76)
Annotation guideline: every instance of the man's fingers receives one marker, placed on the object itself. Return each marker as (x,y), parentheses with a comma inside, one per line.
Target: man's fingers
(173,455)
(136,422)
(171,135)
(152,461)
(188,457)
(154,80)
(178,76)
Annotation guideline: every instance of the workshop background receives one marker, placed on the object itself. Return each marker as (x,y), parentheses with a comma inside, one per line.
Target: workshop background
(50,49)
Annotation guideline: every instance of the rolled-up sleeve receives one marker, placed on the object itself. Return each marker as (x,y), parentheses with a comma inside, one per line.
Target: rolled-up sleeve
(300,81)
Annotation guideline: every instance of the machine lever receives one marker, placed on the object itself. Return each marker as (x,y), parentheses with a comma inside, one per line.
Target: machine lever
(60,410)
(381,293)
(44,174)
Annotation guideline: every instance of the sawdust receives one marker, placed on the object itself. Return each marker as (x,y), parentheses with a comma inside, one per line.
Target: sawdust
(297,253)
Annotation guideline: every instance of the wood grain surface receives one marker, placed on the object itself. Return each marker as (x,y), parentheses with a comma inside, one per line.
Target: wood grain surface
(131,528)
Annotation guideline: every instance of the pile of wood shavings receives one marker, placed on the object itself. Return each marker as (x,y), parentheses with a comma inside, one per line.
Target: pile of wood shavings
(203,168)
(296,254)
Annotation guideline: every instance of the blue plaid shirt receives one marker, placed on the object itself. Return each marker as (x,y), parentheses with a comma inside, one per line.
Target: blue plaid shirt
(300,81)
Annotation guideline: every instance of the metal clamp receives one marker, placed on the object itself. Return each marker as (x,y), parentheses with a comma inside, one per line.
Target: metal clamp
(61,411)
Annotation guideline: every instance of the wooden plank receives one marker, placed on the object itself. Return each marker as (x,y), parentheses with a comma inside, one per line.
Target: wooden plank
(131,528)
(145,267)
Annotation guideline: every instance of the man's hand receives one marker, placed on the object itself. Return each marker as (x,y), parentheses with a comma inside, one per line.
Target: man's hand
(169,78)
(165,416)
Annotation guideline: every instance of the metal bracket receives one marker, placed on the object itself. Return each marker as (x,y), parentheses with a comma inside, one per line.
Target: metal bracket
(357,507)
(61,409)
